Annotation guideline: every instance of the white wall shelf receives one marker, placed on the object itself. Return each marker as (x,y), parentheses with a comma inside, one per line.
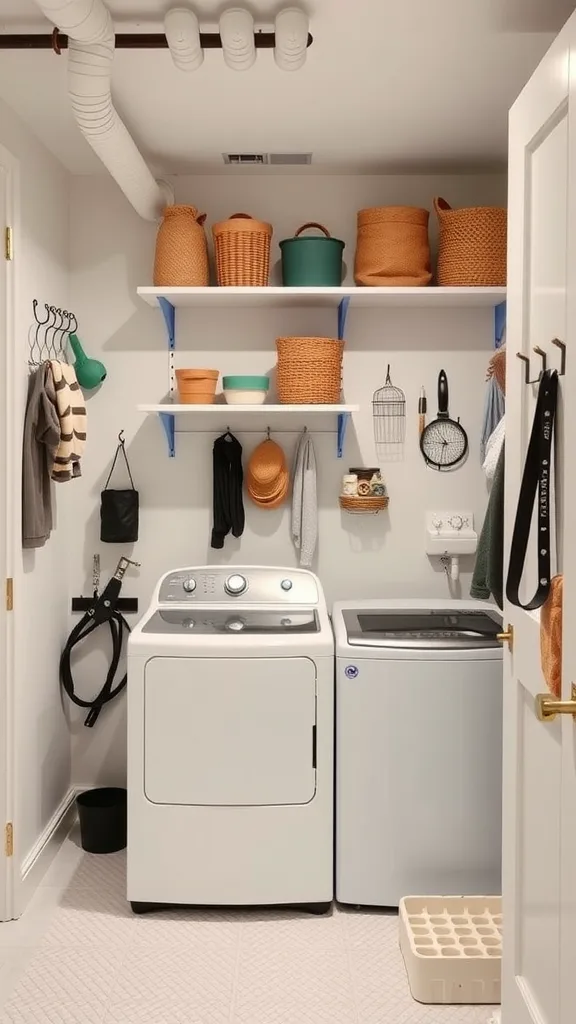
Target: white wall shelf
(167,411)
(360,298)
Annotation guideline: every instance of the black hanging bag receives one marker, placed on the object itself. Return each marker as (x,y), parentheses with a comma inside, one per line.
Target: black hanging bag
(119,510)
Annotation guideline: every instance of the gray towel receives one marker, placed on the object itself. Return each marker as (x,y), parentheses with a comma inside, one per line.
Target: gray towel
(494,407)
(304,501)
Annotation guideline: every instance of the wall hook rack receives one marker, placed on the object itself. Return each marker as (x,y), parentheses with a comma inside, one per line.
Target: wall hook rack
(543,356)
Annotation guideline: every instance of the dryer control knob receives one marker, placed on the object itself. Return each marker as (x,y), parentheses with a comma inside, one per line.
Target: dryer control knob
(286,584)
(189,585)
(235,585)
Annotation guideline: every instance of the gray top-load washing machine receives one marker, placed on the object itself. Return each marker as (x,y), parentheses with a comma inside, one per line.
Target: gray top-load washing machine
(418,749)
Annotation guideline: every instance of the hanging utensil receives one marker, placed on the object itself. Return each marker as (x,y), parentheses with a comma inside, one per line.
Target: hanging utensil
(389,417)
(444,442)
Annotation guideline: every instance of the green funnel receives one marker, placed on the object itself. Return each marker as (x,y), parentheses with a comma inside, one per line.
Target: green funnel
(90,372)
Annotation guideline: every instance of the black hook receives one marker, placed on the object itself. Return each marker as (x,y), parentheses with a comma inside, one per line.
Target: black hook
(121,438)
(540,352)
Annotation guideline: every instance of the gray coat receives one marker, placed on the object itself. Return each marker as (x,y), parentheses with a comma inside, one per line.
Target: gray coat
(41,440)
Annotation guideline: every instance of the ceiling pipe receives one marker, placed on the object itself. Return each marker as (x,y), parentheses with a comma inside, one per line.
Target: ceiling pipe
(90,30)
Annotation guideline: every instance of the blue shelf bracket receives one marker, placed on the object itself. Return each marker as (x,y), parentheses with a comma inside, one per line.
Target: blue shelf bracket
(343,418)
(167,419)
(169,314)
(342,314)
(499,323)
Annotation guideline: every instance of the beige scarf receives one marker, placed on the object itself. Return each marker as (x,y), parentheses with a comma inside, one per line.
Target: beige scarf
(72,415)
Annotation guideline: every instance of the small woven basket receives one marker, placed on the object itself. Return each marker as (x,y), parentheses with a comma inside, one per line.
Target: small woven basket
(242,249)
(392,247)
(309,370)
(370,505)
(472,249)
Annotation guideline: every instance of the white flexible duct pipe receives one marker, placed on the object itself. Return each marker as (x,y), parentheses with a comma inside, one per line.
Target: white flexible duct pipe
(89,26)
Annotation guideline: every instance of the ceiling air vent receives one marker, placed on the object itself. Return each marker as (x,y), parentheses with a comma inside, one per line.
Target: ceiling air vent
(259,159)
(245,158)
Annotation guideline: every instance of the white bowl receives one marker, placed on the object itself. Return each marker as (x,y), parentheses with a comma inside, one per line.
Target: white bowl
(235,396)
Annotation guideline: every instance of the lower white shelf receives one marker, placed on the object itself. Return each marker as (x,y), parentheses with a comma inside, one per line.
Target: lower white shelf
(223,410)
(167,411)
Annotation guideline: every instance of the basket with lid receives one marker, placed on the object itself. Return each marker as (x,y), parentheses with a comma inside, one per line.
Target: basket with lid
(242,250)
(312,259)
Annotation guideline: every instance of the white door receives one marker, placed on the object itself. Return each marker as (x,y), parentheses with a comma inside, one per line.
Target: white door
(539,875)
(230,731)
(8,169)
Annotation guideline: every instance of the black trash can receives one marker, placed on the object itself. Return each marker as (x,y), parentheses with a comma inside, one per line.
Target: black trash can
(102,814)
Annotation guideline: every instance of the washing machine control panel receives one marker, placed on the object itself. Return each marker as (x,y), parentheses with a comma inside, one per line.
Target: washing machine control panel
(212,584)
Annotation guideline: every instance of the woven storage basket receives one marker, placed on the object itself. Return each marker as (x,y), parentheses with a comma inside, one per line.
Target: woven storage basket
(309,370)
(242,248)
(369,505)
(181,258)
(392,247)
(472,249)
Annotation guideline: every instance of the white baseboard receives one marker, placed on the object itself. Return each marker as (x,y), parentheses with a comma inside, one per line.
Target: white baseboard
(40,857)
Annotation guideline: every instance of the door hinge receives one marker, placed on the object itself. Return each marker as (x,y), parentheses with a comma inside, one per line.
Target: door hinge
(9,594)
(9,839)
(8,244)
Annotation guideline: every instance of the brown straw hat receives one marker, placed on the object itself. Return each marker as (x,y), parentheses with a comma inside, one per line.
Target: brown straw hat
(267,477)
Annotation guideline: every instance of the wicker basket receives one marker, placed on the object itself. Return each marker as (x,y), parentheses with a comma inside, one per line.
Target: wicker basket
(181,258)
(370,505)
(472,250)
(309,370)
(242,248)
(392,247)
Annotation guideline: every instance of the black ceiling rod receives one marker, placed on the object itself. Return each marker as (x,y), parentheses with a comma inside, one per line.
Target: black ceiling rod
(126,41)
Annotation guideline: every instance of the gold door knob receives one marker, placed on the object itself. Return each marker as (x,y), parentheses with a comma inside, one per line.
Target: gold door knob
(547,707)
(507,636)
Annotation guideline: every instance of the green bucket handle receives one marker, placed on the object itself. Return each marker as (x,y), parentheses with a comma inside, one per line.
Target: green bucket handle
(312,224)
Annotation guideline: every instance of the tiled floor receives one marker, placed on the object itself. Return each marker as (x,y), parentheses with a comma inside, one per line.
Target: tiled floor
(79,956)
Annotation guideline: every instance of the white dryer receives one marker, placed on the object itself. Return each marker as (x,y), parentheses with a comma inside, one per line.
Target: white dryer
(230,741)
(418,750)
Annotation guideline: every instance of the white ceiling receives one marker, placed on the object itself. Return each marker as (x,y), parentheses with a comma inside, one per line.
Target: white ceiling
(387,86)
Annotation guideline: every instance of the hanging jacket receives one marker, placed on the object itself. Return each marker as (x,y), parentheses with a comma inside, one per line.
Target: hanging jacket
(72,414)
(40,442)
(228,507)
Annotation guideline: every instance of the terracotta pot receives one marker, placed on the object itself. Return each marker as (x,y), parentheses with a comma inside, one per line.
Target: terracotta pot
(181,258)
(197,386)
(196,397)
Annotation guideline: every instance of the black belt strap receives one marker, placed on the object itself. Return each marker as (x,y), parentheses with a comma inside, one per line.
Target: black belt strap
(536,479)
(104,610)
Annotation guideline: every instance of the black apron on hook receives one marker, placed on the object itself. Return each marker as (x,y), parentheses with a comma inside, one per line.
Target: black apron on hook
(119,510)
(536,481)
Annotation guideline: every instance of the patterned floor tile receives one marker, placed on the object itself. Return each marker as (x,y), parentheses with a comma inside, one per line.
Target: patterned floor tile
(292,929)
(293,986)
(101,871)
(174,984)
(182,927)
(63,987)
(91,917)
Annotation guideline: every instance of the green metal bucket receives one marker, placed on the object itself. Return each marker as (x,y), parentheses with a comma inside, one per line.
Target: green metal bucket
(315,260)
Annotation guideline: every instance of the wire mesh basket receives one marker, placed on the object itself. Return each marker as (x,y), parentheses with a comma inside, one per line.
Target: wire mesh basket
(389,417)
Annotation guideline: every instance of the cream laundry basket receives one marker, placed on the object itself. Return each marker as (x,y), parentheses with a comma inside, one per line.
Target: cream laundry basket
(452,947)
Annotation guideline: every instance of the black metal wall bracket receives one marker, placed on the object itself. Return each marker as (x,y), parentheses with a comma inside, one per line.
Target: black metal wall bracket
(540,352)
(127,605)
